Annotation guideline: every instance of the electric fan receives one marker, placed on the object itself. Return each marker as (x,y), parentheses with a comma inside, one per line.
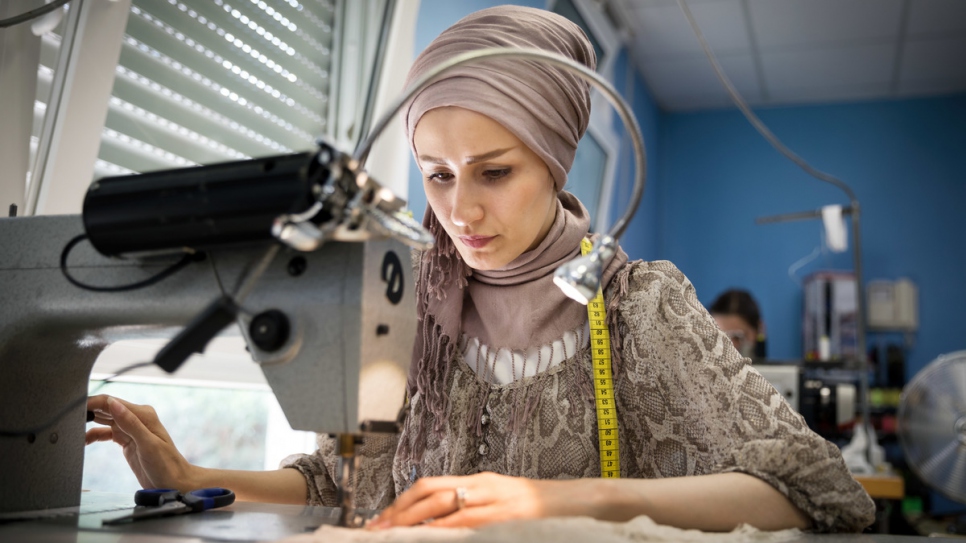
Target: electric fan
(932,425)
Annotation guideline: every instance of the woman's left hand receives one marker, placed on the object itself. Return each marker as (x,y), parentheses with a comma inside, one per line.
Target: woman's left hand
(486,498)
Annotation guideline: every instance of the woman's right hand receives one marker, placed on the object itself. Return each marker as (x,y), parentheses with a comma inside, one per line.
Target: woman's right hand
(147,447)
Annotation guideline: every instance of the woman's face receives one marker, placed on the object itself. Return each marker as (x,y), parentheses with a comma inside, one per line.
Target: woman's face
(742,334)
(494,196)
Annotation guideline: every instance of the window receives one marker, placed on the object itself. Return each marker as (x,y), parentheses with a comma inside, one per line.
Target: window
(587,175)
(568,9)
(230,428)
(206,82)
(591,177)
(198,83)
(195,83)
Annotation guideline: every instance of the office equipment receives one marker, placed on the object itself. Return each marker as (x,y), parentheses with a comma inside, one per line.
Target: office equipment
(829,322)
(893,305)
(827,400)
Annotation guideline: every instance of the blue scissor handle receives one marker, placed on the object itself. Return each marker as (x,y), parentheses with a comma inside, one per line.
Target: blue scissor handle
(156,496)
(208,498)
(198,500)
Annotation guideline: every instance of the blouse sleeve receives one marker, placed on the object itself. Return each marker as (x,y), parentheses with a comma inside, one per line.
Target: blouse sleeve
(374,484)
(695,406)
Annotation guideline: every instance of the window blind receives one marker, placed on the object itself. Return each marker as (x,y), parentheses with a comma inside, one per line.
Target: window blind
(212,81)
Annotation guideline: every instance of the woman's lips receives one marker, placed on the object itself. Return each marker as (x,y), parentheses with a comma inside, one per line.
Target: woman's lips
(476,241)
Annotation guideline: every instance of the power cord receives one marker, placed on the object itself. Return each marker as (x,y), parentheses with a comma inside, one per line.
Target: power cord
(756,122)
(209,328)
(32,14)
(185,260)
(72,405)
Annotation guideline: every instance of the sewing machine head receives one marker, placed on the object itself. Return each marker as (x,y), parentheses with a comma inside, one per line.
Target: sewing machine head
(330,322)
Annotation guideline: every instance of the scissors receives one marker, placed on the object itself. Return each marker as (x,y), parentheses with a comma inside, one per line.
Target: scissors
(161,502)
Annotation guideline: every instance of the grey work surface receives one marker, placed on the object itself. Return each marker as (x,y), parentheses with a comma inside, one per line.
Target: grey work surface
(245,521)
(241,521)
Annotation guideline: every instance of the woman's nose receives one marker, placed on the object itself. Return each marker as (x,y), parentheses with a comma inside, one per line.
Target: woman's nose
(467,207)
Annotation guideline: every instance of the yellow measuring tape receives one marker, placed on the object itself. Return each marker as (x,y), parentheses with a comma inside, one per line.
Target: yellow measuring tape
(610,458)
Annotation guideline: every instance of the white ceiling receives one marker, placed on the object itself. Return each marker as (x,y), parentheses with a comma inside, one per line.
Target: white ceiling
(798,51)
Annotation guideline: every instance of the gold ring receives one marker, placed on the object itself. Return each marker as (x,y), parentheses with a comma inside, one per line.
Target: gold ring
(460,497)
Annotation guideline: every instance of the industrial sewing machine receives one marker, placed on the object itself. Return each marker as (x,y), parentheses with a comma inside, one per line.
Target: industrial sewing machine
(241,243)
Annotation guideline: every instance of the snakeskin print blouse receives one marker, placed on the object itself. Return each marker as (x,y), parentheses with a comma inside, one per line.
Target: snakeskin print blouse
(687,404)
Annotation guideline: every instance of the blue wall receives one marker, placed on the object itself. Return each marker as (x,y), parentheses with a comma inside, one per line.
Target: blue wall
(642,237)
(904,160)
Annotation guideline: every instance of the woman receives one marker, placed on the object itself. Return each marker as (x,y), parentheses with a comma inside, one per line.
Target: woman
(502,419)
(737,314)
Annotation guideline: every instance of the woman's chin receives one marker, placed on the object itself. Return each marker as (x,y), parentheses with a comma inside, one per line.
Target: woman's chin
(483,261)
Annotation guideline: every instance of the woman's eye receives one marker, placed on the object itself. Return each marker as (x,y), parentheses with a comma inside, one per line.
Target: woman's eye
(439,177)
(493,175)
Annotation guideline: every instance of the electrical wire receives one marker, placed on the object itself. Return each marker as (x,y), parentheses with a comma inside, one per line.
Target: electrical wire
(72,405)
(753,119)
(254,271)
(801,263)
(185,260)
(32,14)
(820,250)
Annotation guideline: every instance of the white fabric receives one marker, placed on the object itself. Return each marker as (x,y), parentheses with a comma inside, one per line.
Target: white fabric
(503,366)
(835,235)
(555,530)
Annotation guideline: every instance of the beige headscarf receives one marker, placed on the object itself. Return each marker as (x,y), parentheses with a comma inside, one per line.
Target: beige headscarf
(518,306)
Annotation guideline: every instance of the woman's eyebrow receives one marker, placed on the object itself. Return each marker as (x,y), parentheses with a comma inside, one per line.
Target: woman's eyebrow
(469,160)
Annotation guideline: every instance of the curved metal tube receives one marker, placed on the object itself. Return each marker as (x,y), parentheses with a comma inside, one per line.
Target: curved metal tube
(559,61)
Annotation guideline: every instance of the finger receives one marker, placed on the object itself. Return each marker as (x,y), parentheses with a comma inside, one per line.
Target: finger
(421,490)
(101,406)
(98,406)
(101,403)
(426,486)
(129,423)
(470,517)
(103,418)
(433,506)
(98,403)
(143,411)
(148,417)
(120,437)
(98,434)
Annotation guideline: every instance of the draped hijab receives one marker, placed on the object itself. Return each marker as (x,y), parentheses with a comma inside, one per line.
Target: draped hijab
(518,306)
